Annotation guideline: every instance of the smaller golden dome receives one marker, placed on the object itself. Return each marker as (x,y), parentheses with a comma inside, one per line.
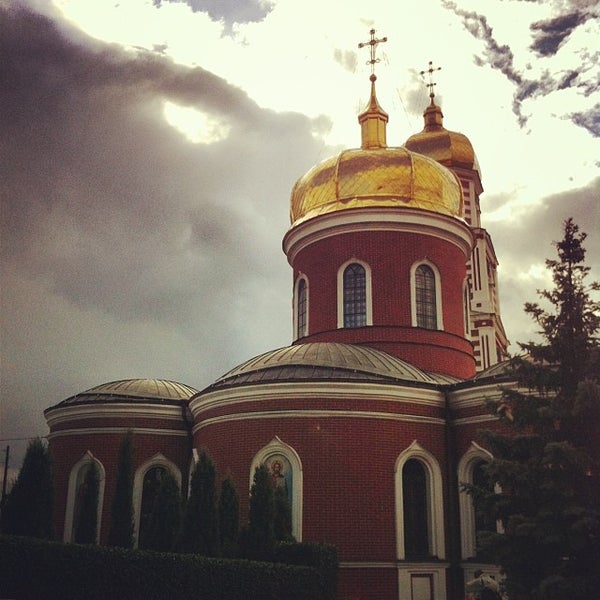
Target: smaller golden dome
(449,148)
(375,178)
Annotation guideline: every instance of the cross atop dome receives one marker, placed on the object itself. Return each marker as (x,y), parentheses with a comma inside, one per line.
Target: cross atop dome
(431,70)
(374,119)
(373,43)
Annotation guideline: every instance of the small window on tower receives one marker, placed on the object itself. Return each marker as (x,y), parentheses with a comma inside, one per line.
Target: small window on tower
(426,302)
(355,296)
(301,308)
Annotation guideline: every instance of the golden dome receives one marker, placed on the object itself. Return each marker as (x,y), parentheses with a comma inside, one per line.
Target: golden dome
(449,148)
(373,178)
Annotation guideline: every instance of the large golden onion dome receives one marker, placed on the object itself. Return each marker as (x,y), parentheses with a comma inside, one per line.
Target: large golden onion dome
(449,148)
(375,176)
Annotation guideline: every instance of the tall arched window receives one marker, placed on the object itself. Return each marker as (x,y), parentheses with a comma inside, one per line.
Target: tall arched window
(301,308)
(146,482)
(285,469)
(471,471)
(355,296)
(77,479)
(414,490)
(150,488)
(419,505)
(425,297)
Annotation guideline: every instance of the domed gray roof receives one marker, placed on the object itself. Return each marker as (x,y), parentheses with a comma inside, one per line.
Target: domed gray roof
(326,361)
(154,391)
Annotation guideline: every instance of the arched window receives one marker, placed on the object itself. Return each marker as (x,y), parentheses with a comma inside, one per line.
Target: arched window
(426,305)
(414,486)
(419,505)
(471,471)
(355,296)
(75,493)
(285,468)
(301,308)
(150,487)
(425,296)
(146,482)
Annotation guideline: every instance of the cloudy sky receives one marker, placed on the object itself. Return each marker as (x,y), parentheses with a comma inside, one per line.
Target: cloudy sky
(148,149)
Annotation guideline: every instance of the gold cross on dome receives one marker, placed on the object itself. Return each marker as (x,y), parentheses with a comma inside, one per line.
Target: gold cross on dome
(373,42)
(431,83)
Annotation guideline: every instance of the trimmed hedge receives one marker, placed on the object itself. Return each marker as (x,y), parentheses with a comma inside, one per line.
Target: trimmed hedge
(31,569)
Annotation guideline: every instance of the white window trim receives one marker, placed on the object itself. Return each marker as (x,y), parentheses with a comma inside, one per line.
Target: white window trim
(467,463)
(340,291)
(276,446)
(295,306)
(435,500)
(86,459)
(438,294)
(158,460)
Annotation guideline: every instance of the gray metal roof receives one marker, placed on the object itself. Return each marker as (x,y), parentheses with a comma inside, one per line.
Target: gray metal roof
(154,391)
(327,361)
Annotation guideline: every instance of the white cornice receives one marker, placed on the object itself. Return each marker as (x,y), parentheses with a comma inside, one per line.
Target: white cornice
(61,414)
(404,220)
(475,396)
(316,414)
(122,430)
(474,419)
(332,391)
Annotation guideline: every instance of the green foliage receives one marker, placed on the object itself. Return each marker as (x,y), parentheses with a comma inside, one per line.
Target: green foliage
(321,557)
(548,465)
(86,526)
(258,538)
(121,523)
(30,505)
(200,531)
(31,569)
(229,518)
(165,518)
(282,516)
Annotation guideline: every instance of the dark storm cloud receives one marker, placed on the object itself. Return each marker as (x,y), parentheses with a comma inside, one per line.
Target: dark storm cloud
(101,194)
(128,251)
(590,120)
(228,11)
(549,35)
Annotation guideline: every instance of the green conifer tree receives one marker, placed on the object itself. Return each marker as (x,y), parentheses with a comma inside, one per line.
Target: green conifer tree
(200,531)
(29,507)
(86,526)
(259,536)
(120,533)
(165,518)
(548,464)
(229,518)
(282,516)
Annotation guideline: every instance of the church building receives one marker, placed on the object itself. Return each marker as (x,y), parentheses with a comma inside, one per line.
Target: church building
(370,417)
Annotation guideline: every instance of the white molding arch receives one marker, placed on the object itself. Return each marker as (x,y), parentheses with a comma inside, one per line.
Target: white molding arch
(340,291)
(438,293)
(435,500)
(469,459)
(301,277)
(158,460)
(83,462)
(276,446)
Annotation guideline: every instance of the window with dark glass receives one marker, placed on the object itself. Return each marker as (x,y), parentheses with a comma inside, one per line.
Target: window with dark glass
(355,296)
(150,488)
(425,297)
(301,308)
(483,520)
(414,493)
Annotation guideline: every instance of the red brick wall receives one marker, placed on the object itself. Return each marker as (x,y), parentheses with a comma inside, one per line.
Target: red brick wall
(390,256)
